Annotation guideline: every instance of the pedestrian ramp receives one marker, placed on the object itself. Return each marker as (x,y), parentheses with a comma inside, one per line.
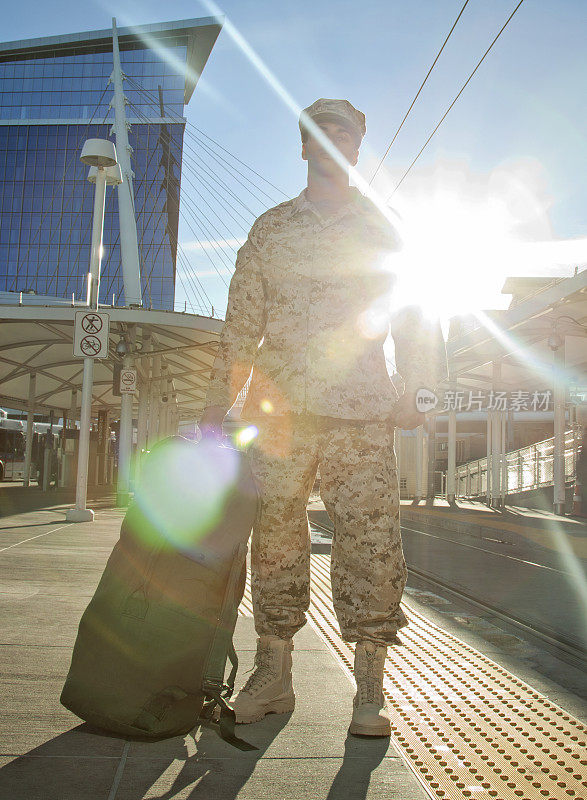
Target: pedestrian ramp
(467,727)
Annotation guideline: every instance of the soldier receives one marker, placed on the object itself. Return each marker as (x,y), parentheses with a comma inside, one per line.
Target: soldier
(310,306)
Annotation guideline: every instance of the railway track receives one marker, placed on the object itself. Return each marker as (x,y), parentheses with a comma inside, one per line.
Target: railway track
(566,648)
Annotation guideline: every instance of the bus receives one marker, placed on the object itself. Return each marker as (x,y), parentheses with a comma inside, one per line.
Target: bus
(13,443)
(12,446)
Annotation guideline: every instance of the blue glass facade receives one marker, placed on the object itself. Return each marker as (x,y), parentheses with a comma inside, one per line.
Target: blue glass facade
(51,101)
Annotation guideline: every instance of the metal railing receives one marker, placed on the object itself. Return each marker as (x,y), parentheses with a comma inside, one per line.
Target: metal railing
(530,467)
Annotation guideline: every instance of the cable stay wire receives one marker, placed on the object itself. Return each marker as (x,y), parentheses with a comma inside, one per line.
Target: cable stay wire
(155,101)
(207,204)
(211,239)
(186,162)
(224,202)
(113,246)
(446,113)
(189,166)
(232,171)
(204,249)
(154,202)
(418,93)
(211,242)
(149,187)
(192,276)
(277,189)
(186,270)
(182,215)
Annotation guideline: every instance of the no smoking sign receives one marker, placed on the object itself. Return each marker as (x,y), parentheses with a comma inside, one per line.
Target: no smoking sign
(128,381)
(91,334)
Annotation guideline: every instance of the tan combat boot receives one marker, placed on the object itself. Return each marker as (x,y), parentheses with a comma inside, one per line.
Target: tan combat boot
(370,713)
(269,689)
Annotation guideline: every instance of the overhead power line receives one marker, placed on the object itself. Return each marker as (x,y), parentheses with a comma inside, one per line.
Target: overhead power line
(463,87)
(418,93)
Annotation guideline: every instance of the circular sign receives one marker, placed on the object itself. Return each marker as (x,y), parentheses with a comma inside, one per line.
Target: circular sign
(127,378)
(90,345)
(92,323)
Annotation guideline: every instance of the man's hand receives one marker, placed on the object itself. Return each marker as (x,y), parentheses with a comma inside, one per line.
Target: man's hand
(405,414)
(211,422)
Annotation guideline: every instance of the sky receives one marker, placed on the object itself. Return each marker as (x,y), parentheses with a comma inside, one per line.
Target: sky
(500,190)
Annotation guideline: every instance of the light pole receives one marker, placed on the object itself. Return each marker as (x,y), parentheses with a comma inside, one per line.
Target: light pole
(100,156)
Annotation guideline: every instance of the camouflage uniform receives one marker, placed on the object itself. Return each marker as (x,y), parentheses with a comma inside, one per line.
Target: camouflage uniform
(318,292)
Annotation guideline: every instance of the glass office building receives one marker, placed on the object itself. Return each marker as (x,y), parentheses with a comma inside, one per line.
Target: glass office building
(55,94)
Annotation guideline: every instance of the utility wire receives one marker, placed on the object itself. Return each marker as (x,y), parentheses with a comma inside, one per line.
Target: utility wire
(418,93)
(481,60)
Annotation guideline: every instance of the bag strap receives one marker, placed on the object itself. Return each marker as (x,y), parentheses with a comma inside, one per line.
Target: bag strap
(221,641)
(214,687)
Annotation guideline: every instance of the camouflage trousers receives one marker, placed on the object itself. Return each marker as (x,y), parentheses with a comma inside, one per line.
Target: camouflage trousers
(359,488)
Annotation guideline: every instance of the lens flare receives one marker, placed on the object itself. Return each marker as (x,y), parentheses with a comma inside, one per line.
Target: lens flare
(373,322)
(266,406)
(246,436)
(184,489)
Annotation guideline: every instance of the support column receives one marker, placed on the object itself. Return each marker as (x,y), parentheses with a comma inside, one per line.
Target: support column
(154,400)
(430,455)
(30,429)
(452,452)
(488,436)
(125,443)
(496,447)
(164,406)
(73,409)
(504,461)
(419,462)
(143,413)
(129,251)
(559,386)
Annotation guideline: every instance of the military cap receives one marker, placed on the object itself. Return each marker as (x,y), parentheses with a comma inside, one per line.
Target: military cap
(341,111)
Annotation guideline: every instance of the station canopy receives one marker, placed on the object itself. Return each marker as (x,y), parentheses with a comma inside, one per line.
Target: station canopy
(39,339)
(521,338)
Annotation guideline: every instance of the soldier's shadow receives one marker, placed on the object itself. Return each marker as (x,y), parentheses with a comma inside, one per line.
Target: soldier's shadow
(362,755)
(81,764)
(216,770)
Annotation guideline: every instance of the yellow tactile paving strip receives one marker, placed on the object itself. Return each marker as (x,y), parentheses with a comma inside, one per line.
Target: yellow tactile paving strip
(467,727)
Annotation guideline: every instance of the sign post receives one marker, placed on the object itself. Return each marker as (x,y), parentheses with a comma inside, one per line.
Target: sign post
(91,326)
(91,334)
(102,445)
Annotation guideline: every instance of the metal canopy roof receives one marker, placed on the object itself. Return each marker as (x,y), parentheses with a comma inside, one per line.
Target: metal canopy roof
(518,338)
(40,340)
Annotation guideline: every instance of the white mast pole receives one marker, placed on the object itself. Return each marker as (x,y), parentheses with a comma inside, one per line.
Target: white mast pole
(129,250)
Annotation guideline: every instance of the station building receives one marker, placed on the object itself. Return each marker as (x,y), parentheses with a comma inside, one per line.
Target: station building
(55,94)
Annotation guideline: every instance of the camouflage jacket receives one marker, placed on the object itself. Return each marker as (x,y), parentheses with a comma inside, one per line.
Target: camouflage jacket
(309,307)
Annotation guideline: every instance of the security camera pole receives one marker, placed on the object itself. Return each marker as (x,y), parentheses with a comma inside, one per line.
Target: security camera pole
(100,156)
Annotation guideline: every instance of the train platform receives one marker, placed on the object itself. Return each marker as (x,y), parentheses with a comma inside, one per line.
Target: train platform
(521,568)
(479,519)
(471,717)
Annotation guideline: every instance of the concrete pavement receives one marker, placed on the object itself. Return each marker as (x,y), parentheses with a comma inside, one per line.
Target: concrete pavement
(48,572)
